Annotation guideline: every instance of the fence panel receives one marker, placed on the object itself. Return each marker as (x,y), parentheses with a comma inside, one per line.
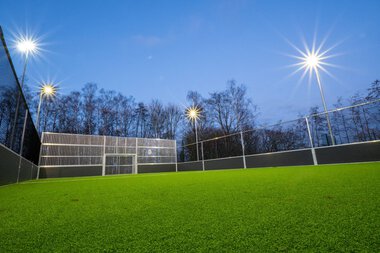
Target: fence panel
(225,146)
(352,124)
(358,123)
(290,135)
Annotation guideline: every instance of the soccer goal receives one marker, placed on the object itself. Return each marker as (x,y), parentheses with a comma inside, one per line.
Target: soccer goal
(115,164)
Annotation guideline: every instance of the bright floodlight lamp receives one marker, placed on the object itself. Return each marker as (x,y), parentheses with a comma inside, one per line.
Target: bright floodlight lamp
(193,113)
(48,91)
(27,46)
(312,61)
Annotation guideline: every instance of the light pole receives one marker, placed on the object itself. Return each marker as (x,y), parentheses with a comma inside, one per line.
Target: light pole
(46,90)
(312,61)
(26,46)
(193,114)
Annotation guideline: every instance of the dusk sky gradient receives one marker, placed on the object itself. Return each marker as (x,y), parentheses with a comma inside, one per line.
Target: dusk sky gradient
(163,49)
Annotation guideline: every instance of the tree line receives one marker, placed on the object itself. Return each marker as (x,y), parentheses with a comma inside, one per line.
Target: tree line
(106,112)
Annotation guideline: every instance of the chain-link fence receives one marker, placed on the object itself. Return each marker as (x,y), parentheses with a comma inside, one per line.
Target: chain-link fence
(17,130)
(352,124)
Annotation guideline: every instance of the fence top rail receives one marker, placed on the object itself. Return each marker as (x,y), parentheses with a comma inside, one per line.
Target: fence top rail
(244,131)
(107,136)
(345,108)
(263,127)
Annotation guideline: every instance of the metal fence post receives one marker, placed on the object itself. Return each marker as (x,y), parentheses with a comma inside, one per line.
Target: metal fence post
(203,158)
(136,159)
(243,149)
(39,158)
(22,145)
(104,156)
(315,161)
(196,139)
(175,153)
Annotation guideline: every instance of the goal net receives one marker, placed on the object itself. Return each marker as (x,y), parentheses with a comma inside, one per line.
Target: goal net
(119,164)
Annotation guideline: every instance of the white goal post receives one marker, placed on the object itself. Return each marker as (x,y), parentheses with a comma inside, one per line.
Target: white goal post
(118,163)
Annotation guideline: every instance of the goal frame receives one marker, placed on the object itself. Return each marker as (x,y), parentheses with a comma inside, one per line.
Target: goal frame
(134,161)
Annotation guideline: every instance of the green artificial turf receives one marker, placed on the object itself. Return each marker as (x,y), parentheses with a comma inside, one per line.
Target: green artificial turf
(311,208)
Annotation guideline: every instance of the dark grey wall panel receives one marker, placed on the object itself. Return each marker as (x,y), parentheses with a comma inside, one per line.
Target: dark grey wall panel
(190,166)
(362,152)
(26,170)
(226,163)
(35,172)
(77,171)
(156,168)
(300,157)
(8,166)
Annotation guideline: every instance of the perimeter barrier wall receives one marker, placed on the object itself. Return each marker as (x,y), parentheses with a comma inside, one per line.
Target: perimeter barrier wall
(353,136)
(346,153)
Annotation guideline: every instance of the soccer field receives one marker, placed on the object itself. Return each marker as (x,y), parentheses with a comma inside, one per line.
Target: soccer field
(314,208)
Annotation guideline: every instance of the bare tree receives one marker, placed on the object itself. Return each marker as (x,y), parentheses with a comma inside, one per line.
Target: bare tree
(374,90)
(231,109)
(156,119)
(107,113)
(89,108)
(69,113)
(173,115)
(127,115)
(141,116)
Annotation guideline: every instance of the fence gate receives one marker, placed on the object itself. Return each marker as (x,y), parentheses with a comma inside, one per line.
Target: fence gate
(119,164)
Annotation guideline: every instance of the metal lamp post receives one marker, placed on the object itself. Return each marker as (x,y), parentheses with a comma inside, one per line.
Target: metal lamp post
(25,46)
(312,61)
(193,114)
(47,90)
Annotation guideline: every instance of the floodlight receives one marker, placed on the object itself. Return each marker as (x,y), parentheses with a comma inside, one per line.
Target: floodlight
(312,61)
(27,45)
(47,90)
(193,113)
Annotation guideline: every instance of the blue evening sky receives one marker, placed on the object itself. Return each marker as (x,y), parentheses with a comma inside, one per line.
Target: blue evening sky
(162,49)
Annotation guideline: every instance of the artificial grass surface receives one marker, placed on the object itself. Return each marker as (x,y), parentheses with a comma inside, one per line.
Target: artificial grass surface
(311,208)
